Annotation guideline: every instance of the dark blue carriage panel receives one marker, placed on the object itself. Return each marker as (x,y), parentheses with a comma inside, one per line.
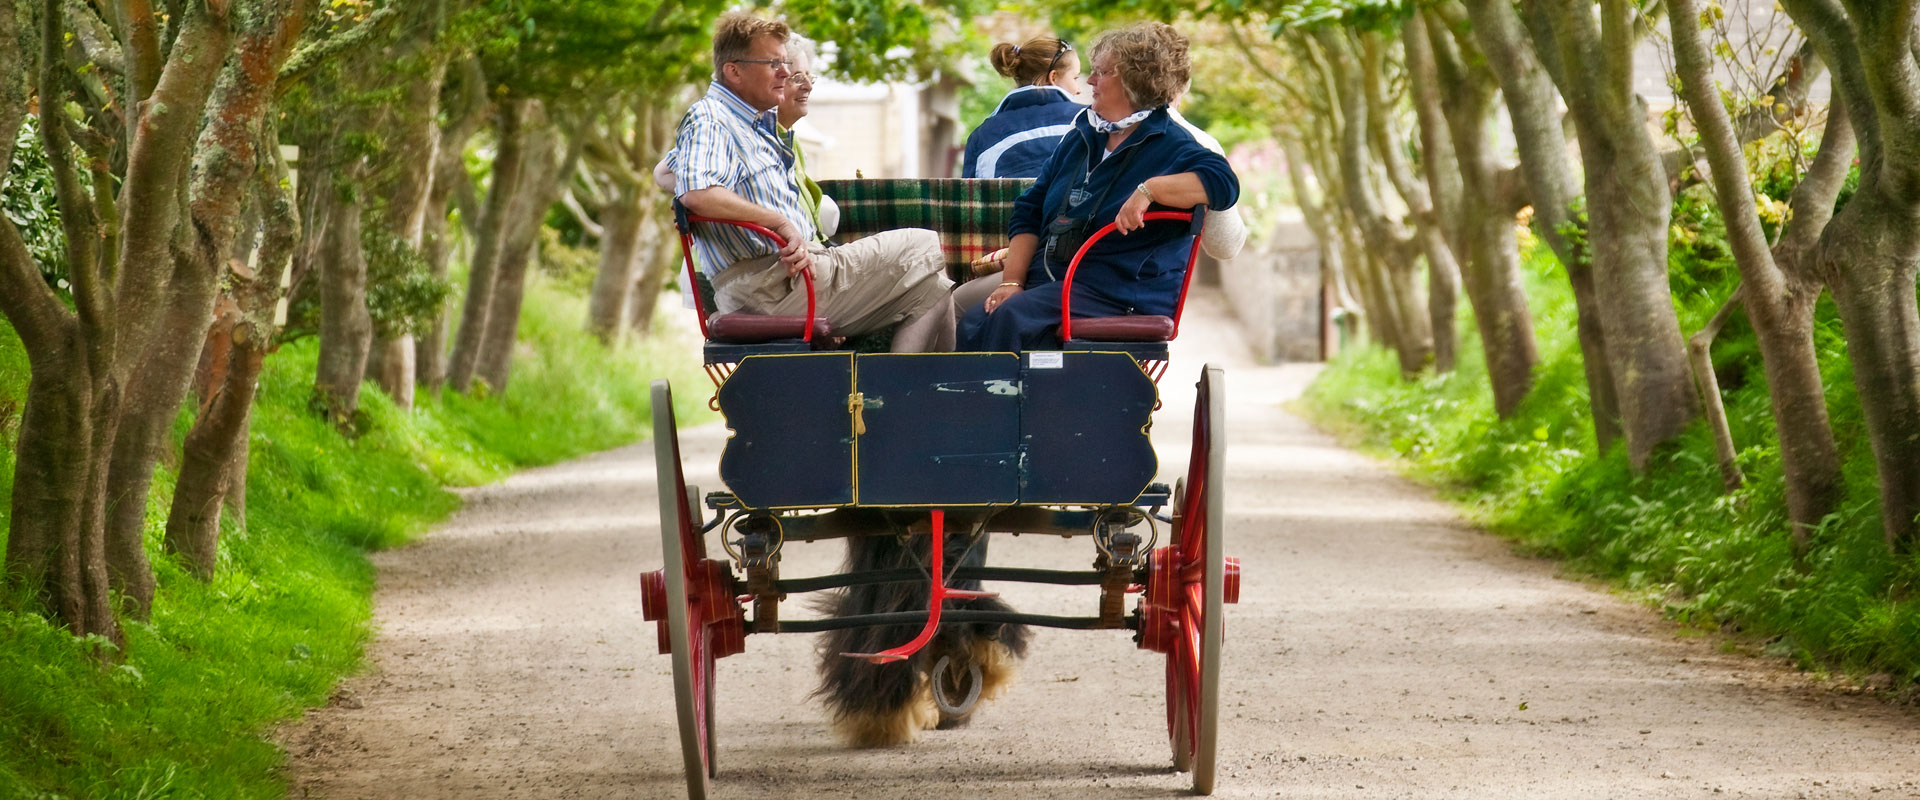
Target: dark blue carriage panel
(822,430)
(792,443)
(1083,428)
(942,429)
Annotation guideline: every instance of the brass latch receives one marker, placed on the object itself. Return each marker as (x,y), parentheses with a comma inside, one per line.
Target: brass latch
(856,405)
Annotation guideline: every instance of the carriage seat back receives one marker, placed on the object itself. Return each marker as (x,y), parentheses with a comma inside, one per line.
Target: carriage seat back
(1089,332)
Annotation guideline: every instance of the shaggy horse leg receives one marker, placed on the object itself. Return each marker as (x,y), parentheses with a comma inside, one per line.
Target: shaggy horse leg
(992,646)
(879,705)
(875,705)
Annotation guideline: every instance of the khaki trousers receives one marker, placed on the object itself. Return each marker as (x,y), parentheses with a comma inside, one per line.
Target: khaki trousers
(861,287)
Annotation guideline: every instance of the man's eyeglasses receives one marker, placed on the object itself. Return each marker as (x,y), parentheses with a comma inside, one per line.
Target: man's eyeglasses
(777,63)
(1064,49)
(800,80)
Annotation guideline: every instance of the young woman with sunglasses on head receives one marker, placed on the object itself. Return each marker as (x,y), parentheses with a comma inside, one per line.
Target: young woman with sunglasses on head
(1016,139)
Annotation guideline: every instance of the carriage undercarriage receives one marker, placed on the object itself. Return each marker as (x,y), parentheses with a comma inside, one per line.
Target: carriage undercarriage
(1078,475)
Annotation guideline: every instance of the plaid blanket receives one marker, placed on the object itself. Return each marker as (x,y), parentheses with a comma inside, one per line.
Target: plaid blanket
(970,215)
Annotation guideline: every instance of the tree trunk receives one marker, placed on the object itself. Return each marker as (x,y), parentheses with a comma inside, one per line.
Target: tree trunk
(1429,235)
(430,363)
(1779,305)
(413,143)
(1396,291)
(467,115)
(612,298)
(1700,353)
(661,259)
(206,477)
(1873,283)
(83,359)
(56,544)
(1525,81)
(153,398)
(1628,207)
(390,365)
(1870,252)
(494,225)
(1465,110)
(537,189)
(214,461)
(346,331)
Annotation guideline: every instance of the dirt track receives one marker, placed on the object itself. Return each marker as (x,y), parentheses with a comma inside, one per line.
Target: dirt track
(1381,649)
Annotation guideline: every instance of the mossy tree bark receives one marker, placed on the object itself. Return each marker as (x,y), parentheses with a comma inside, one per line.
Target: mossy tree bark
(511,132)
(1628,206)
(1459,104)
(1396,310)
(1430,235)
(1870,253)
(1526,84)
(214,456)
(1778,302)
(539,190)
(144,260)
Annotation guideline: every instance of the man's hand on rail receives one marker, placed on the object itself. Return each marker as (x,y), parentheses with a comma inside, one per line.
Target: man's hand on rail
(794,255)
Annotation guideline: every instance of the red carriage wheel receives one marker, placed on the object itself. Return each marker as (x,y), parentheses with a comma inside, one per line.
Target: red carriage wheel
(692,599)
(1188,583)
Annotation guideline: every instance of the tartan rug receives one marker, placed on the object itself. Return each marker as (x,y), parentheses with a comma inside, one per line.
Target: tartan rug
(970,215)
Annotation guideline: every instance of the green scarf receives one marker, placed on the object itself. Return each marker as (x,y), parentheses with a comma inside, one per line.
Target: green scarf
(810,193)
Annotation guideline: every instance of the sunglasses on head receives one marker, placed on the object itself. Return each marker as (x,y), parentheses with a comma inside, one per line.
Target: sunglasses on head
(1064,49)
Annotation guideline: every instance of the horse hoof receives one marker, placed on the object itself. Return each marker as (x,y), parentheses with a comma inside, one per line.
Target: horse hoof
(956,690)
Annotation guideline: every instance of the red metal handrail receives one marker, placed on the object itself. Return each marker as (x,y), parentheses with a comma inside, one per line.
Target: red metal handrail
(1066,288)
(693,280)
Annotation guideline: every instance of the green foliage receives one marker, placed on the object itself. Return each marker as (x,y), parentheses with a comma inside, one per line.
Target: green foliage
(403,296)
(187,712)
(1671,537)
(1277,16)
(881,39)
(572,268)
(29,202)
(578,53)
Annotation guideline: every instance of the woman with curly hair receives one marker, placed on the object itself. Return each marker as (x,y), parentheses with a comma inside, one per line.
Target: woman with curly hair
(1015,140)
(1125,157)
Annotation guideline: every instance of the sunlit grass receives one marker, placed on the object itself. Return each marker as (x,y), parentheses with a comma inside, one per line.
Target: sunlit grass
(186,713)
(1673,536)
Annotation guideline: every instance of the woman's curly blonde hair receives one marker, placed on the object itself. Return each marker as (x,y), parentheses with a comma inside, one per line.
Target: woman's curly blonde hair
(1150,59)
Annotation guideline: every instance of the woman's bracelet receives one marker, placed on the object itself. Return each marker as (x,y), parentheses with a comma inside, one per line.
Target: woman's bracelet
(1008,283)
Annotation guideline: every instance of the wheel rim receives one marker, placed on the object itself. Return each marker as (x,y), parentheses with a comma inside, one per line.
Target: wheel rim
(1188,583)
(692,598)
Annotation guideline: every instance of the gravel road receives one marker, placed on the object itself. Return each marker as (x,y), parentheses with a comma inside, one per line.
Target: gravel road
(1382,648)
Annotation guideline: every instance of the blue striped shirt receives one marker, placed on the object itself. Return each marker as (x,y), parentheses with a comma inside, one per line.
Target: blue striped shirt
(723,142)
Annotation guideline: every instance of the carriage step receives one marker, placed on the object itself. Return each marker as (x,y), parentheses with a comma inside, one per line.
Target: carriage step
(968,594)
(877,658)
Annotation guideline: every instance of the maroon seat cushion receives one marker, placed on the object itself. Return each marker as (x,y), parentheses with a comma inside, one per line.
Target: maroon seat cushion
(739,328)
(1124,329)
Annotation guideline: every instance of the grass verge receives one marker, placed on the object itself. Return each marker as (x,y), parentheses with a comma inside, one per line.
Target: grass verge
(186,712)
(1672,537)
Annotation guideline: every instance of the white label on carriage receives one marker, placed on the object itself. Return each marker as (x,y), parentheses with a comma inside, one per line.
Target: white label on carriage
(1046,359)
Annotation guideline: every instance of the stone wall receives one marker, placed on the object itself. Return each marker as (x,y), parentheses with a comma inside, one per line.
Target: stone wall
(1274,289)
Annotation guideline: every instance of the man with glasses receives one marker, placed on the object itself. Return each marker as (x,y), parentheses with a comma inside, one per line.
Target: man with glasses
(732,162)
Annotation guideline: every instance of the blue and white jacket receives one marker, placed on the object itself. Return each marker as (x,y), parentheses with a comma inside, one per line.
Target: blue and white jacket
(1018,137)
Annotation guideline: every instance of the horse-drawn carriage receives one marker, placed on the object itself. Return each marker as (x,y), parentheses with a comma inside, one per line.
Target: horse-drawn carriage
(936,452)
